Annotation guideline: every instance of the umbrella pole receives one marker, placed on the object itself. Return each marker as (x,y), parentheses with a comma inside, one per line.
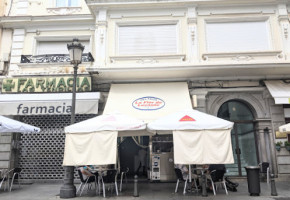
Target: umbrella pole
(189,171)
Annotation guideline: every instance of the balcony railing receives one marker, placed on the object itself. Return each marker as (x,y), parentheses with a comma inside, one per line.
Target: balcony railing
(53,58)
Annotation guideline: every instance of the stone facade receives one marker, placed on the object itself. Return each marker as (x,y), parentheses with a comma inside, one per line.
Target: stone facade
(215,73)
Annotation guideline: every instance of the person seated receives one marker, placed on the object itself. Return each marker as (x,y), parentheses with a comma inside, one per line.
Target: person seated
(185,173)
(211,168)
(85,170)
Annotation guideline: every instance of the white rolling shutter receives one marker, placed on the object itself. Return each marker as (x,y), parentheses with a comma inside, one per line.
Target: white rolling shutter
(238,36)
(147,39)
(57,47)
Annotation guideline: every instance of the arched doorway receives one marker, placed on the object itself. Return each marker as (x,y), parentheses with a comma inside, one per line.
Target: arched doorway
(243,136)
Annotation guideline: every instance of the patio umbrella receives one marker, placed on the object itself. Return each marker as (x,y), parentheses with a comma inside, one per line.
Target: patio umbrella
(199,138)
(14,126)
(94,141)
(285,128)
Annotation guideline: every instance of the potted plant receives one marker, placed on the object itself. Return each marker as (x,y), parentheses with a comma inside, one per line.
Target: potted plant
(287,145)
(278,145)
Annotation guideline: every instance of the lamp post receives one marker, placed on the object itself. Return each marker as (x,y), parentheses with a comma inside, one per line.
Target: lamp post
(68,189)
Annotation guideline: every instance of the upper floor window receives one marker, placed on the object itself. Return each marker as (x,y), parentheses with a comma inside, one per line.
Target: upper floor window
(57,47)
(237,36)
(67,3)
(147,39)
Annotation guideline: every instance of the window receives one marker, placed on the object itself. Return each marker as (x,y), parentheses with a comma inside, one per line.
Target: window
(237,36)
(147,39)
(57,47)
(67,3)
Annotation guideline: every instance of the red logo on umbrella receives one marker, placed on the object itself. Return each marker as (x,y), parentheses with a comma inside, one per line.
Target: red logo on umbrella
(186,118)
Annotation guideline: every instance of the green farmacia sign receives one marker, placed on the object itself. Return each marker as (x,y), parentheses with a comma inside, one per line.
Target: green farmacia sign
(47,84)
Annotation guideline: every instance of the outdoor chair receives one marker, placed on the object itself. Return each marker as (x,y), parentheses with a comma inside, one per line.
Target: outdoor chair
(180,179)
(123,173)
(111,179)
(87,181)
(4,179)
(16,175)
(217,178)
(265,170)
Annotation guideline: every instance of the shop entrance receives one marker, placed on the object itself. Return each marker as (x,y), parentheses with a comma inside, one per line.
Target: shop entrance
(132,155)
(243,136)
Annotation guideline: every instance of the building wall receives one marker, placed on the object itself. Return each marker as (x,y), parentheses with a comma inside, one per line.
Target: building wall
(46,8)
(213,77)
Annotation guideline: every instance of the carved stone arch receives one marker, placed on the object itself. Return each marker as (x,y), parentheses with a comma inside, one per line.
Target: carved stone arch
(255,105)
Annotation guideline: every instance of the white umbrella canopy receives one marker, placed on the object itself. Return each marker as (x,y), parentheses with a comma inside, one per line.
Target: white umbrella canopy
(107,122)
(189,120)
(285,128)
(198,138)
(94,141)
(8,125)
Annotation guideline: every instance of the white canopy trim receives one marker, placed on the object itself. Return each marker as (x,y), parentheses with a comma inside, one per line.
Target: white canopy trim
(8,125)
(203,147)
(279,90)
(113,121)
(189,120)
(96,148)
(285,128)
(148,101)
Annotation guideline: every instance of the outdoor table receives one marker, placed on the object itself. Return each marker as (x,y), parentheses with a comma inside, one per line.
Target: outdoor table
(203,180)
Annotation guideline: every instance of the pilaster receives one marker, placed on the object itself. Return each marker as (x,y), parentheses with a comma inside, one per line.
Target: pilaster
(192,47)
(16,50)
(101,37)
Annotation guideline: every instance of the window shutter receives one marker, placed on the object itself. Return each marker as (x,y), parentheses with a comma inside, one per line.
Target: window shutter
(237,36)
(57,47)
(147,39)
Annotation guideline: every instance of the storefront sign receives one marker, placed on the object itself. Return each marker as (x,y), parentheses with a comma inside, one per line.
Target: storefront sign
(280,135)
(48,84)
(148,103)
(49,108)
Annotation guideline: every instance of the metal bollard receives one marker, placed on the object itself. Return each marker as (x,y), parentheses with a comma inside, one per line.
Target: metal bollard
(273,186)
(204,192)
(136,192)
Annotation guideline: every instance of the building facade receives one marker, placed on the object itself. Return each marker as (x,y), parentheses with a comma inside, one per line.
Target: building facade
(230,53)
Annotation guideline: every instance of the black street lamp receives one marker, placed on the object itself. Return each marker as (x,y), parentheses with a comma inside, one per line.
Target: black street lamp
(68,189)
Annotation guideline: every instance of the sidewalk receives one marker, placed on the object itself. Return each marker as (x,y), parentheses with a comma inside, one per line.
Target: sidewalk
(147,191)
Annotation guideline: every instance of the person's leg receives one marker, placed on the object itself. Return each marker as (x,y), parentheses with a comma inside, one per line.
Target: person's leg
(137,171)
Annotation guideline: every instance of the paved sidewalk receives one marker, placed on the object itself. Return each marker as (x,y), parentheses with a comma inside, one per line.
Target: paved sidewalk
(147,191)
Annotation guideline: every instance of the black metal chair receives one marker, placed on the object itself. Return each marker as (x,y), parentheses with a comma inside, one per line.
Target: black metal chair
(4,179)
(180,179)
(16,175)
(110,178)
(123,174)
(86,181)
(217,177)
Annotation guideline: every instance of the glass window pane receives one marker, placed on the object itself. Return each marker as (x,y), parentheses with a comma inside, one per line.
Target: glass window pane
(247,145)
(73,3)
(235,110)
(60,3)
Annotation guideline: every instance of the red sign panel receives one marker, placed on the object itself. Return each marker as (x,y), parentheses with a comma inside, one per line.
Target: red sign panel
(186,118)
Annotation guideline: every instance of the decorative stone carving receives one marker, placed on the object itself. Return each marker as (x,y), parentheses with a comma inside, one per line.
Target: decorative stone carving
(242,58)
(53,58)
(64,10)
(146,61)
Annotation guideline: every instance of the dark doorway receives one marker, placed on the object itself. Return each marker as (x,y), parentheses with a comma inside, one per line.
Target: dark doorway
(128,154)
(243,136)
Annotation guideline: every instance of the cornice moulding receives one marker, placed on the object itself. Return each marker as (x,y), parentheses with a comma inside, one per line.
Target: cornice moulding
(170,3)
(12,21)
